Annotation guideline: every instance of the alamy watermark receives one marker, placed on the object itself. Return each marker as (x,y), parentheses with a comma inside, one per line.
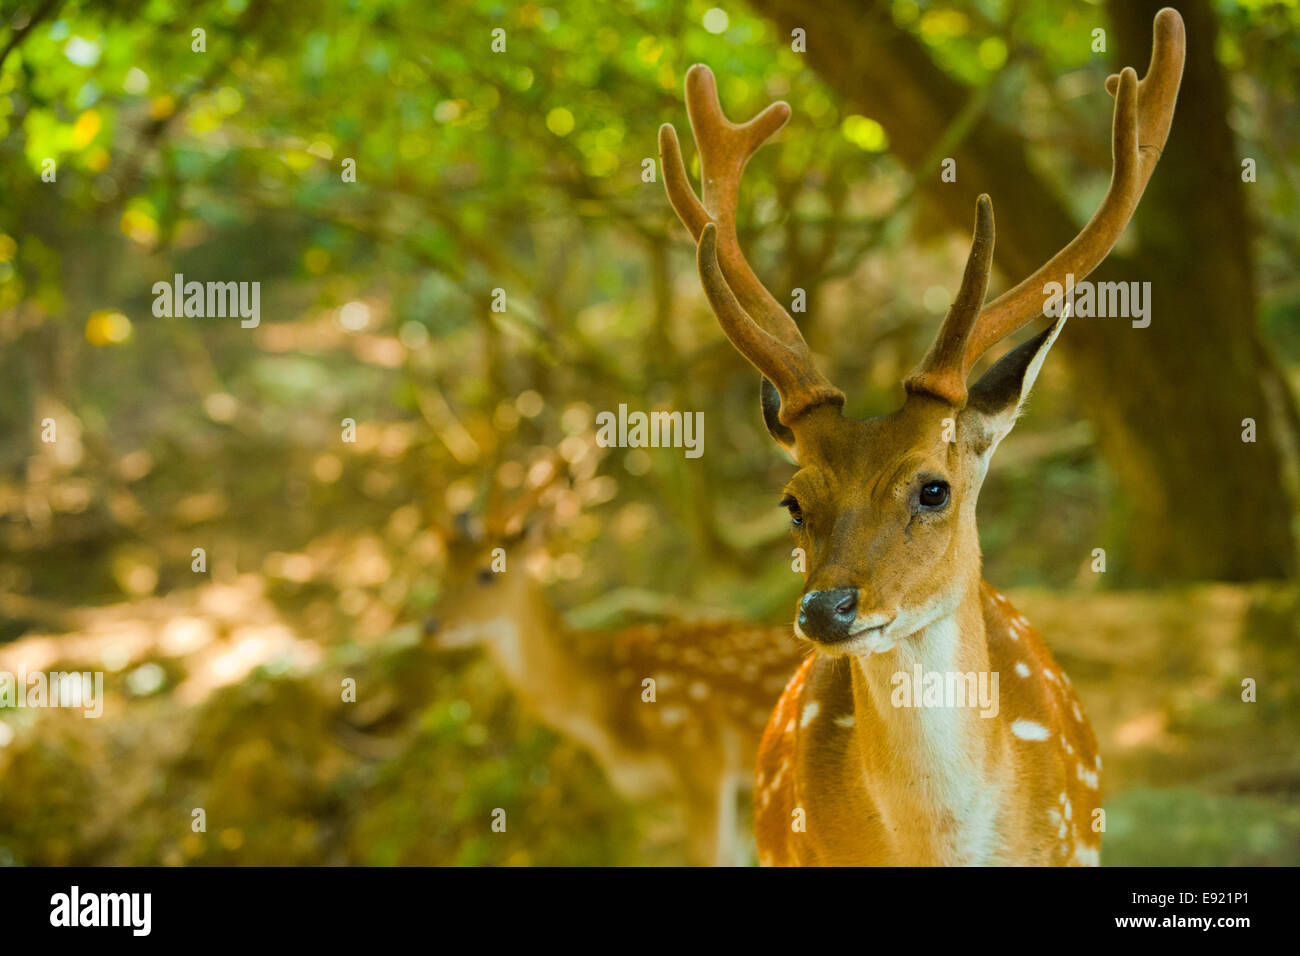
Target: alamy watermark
(133,911)
(84,689)
(937,689)
(1085,299)
(651,430)
(210,300)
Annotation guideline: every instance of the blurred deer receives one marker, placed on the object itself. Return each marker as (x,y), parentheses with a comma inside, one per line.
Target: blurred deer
(849,771)
(692,743)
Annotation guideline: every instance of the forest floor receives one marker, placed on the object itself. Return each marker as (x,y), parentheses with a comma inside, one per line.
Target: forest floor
(216,700)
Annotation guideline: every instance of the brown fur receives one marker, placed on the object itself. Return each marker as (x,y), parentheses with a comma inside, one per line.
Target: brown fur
(884,511)
(693,746)
(849,818)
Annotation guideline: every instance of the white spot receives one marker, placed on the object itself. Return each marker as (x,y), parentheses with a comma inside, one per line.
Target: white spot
(844,720)
(780,773)
(1028,730)
(1086,855)
(810,711)
(1022,669)
(699,690)
(1078,714)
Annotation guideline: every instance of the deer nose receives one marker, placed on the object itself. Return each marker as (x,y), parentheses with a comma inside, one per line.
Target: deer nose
(828,615)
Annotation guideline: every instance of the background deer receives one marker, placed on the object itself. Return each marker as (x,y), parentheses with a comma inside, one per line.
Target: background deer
(715,682)
(885,510)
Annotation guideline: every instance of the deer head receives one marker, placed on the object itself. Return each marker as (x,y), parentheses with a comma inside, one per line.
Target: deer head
(884,508)
(484,573)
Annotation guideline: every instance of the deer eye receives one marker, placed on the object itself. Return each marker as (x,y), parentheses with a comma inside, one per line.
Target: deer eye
(934,494)
(485,577)
(796,513)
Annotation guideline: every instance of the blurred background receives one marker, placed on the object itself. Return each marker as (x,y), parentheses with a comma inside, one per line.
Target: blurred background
(522,171)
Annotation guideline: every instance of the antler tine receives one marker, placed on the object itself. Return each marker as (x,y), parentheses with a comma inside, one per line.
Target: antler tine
(725,148)
(1143,114)
(942,372)
(542,475)
(750,315)
(494,499)
(799,384)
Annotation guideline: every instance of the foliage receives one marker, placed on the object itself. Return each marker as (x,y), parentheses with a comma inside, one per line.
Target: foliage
(475,171)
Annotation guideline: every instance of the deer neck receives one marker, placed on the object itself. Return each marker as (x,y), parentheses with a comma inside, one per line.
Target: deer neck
(525,639)
(928,769)
(537,654)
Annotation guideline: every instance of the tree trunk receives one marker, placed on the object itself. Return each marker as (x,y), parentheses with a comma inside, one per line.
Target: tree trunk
(1167,401)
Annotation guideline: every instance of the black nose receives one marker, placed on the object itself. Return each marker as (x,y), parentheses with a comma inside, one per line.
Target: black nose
(827,615)
(431,626)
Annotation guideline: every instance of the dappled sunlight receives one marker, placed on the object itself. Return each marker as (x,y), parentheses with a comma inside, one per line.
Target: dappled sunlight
(385,552)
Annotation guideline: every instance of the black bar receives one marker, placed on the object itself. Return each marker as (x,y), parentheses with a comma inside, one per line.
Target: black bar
(329,906)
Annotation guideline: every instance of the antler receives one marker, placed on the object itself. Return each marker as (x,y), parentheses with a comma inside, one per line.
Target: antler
(756,323)
(943,372)
(1143,113)
(508,519)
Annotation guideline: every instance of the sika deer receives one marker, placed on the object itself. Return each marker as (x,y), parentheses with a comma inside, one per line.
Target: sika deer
(849,771)
(714,682)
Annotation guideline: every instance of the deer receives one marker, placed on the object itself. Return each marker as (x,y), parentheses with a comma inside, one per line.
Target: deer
(691,742)
(850,770)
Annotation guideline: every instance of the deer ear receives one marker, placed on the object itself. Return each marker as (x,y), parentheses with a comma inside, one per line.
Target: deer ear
(771,401)
(998,398)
